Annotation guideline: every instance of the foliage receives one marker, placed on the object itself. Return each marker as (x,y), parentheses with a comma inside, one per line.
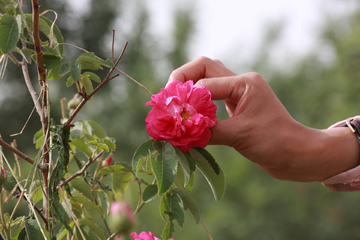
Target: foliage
(69,188)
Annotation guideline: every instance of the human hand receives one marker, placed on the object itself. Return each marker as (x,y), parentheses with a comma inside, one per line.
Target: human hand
(261,129)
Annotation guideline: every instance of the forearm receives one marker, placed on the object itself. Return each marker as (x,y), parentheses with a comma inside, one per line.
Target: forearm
(315,155)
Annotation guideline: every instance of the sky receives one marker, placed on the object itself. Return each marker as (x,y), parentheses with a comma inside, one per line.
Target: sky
(236,27)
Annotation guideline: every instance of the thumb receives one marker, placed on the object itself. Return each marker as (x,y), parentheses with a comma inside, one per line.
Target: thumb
(223,133)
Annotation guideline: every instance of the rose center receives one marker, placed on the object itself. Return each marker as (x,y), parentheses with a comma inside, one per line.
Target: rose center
(185,115)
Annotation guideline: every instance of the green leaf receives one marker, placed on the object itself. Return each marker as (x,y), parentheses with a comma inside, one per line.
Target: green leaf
(45,27)
(27,54)
(168,230)
(80,185)
(9,33)
(59,212)
(64,69)
(50,50)
(93,227)
(87,85)
(184,165)
(141,153)
(150,192)
(120,182)
(190,185)
(76,209)
(81,146)
(90,66)
(97,129)
(22,234)
(110,142)
(50,61)
(63,231)
(86,231)
(177,209)
(191,161)
(90,59)
(17,227)
(104,147)
(206,159)
(22,53)
(75,70)
(70,81)
(32,229)
(92,76)
(164,166)
(86,202)
(54,73)
(189,202)
(165,206)
(216,181)
(10,182)
(36,191)
(38,139)
(107,63)
(114,169)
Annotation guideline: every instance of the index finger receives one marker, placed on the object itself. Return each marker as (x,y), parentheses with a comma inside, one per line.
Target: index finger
(200,68)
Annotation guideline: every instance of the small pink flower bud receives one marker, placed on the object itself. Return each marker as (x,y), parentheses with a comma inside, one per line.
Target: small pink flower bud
(74,102)
(3,176)
(122,218)
(108,161)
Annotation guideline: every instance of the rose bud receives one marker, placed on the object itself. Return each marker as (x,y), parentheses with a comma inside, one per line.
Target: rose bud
(145,236)
(107,162)
(3,176)
(121,217)
(74,102)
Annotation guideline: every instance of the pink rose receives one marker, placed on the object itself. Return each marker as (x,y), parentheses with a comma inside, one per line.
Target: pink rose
(182,115)
(144,236)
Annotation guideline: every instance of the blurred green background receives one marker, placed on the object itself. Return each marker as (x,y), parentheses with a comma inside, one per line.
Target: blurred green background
(316,90)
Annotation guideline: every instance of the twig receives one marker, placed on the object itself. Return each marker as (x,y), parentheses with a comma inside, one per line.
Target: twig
(14,59)
(113,235)
(17,205)
(81,171)
(63,108)
(16,151)
(27,121)
(17,160)
(134,81)
(112,47)
(11,193)
(87,97)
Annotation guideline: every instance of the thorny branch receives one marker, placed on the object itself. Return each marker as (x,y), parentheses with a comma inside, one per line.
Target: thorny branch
(16,151)
(44,111)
